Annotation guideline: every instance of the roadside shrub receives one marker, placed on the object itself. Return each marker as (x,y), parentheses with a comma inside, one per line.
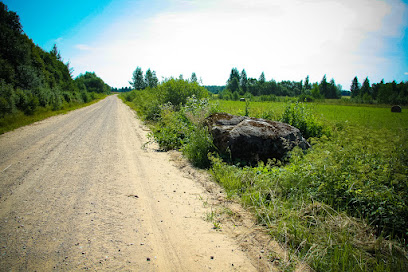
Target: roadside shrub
(56,99)
(67,96)
(7,98)
(44,96)
(172,129)
(31,104)
(130,96)
(77,97)
(197,147)
(177,91)
(26,101)
(301,117)
(85,97)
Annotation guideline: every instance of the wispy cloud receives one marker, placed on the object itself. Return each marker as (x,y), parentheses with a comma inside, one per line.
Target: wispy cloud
(83,47)
(59,40)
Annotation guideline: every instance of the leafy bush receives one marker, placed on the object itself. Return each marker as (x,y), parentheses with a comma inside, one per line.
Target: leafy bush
(7,98)
(85,97)
(301,117)
(44,96)
(172,128)
(177,91)
(197,147)
(56,99)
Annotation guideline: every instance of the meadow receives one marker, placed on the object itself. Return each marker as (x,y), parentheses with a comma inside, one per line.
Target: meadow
(376,117)
(340,206)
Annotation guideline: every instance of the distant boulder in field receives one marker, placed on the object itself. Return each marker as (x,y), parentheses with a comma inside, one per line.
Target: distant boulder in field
(252,139)
(396,108)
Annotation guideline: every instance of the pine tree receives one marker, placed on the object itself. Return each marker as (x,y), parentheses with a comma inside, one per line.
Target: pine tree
(366,88)
(262,78)
(324,88)
(307,84)
(355,88)
(233,81)
(194,77)
(243,81)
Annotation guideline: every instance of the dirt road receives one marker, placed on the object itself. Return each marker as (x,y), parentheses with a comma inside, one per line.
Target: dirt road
(78,192)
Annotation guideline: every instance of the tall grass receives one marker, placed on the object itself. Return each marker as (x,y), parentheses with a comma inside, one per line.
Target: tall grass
(341,206)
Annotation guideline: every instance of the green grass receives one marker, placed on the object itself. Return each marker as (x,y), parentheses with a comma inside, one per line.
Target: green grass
(376,117)
(371,117)
(256,109)
(340,206)
(19,119)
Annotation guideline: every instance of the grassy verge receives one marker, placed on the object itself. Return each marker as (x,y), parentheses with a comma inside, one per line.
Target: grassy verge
(19,119)
(342,206)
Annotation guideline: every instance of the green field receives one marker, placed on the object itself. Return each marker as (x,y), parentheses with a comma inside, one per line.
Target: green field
(343,202)
(366,116)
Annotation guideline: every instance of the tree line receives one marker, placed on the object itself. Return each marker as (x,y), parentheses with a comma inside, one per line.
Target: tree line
(141,81)
(239,85)
(385,93)
(31,77)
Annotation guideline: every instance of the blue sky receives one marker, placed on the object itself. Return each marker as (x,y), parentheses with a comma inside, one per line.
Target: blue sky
(288,40)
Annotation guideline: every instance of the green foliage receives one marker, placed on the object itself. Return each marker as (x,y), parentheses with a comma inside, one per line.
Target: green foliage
(7,98)
(172,129)
(307,204)
(338,206)
(304,203)
(138,82)
(177,91)
(90,82)
(32,80)
(56,99)
(301,117)
(197,147)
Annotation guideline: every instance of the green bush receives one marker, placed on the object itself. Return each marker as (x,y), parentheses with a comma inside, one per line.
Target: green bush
(56,99)
(7,97)
(197,147)
(44,96)
(85,96)
(177,91)
(172,129)
(31,104)
(301,117)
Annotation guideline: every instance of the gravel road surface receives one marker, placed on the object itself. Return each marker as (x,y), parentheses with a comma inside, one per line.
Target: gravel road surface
(78,192)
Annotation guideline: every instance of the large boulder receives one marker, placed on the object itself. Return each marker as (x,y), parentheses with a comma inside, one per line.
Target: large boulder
(252,139)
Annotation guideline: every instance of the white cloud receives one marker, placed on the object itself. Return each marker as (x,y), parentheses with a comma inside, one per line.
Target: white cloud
(58,40)
(406,73)
(83,47)
(285,39)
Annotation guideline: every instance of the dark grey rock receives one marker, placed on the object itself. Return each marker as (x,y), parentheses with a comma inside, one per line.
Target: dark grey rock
(252,139)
